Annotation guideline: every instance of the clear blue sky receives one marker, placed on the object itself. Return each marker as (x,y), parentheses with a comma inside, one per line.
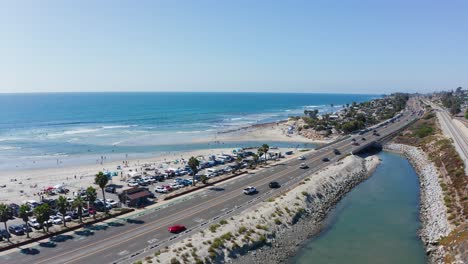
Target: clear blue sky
(276,46)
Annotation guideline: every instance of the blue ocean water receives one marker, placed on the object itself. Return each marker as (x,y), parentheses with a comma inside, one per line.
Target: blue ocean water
(56,125)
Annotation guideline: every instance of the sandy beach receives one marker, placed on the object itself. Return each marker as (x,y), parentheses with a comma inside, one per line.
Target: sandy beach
(21,185)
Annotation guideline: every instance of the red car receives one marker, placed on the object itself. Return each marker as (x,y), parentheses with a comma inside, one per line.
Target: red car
(176,228)
(168,188)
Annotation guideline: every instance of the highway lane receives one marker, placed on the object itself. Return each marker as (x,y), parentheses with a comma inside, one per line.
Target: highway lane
(459,139)
(151,229)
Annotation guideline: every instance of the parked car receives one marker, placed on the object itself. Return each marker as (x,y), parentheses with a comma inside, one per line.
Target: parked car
(16,229)
(73,214)
(160,189)
(303,166)
(26,228)
(274,185)
(112,202)
(110,189)
(67,217)
(56,220)
(176,186)
(4,234)
(132,184)
(168,188)
(176,228)
(250,190)
(34,223)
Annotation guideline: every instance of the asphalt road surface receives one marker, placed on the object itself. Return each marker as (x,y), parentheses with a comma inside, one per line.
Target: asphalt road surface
(117,241)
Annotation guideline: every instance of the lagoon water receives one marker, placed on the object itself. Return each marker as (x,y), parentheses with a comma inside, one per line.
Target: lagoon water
(80,127)
(377,222)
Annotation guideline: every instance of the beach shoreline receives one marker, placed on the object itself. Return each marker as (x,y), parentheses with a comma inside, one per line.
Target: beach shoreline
(26,184)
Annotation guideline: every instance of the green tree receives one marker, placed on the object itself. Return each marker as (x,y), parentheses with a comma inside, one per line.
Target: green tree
(259,154)
(466,113)
(78,203)
(42,213)
(255,158)
(5,216)
(91,195)
(265,149)
(102,181)
(24,214)
(62,206)
(193,163)
(204,179)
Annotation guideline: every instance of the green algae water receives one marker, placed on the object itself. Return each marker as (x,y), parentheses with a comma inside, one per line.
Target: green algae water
(377,222)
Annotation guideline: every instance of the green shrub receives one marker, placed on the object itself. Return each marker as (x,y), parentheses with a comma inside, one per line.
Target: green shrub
(223,222)
(242,229)
(214,227)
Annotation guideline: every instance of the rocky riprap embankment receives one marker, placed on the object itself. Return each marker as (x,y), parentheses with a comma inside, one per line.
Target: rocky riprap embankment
(433,212)
(271,231)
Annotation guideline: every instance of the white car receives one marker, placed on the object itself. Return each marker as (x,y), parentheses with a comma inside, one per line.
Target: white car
(111,202)
(34,223)
(132,184)
(250,190)
(56,220)
(70,200)
(67,217)
(160,189)
(301,158)
(303,166)
(176,185)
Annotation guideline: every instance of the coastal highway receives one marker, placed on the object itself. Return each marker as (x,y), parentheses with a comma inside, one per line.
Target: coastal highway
(116,242)
(450,129)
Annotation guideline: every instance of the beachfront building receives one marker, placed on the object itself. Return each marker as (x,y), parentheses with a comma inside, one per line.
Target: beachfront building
(135,197)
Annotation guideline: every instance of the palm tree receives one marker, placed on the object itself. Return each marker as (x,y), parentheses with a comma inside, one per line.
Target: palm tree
(62,205)
(78,203)
(91,194)
(42,213)
(193,164)
(265,149)
(102,181)
(255,158)
(259,153)
(238,162)
(5,216)
(24,214)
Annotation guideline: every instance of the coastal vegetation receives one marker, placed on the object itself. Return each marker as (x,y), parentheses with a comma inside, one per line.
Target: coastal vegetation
(426,134)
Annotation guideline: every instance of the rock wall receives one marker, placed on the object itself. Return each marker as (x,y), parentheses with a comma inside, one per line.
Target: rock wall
(433,212)
(271,231)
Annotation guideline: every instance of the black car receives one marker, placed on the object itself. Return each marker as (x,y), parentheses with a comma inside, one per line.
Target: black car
(4,233)
(14,210)
(26,228)
(325,159)
(110,189)
(16,229)
(363,139)
(274,185)
(73,214)
(337,152)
